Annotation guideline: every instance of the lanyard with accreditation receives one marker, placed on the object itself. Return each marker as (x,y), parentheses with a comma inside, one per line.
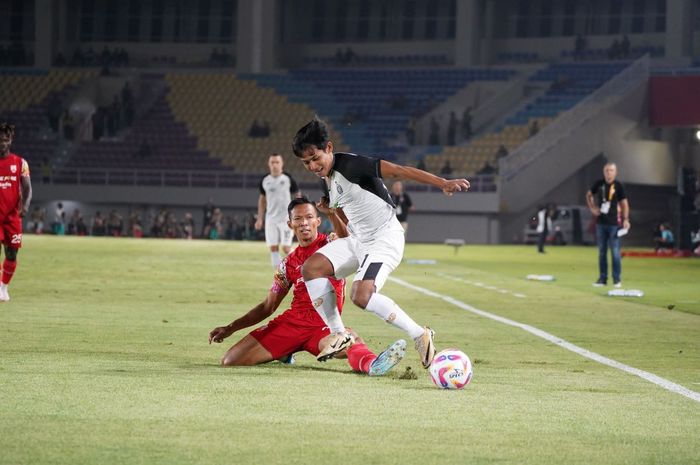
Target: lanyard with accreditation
(605,206)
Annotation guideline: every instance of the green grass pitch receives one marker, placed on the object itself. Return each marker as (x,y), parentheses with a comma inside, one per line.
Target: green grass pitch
(104,360)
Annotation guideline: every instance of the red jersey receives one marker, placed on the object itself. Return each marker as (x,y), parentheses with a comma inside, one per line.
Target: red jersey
(12,169)
(288,274)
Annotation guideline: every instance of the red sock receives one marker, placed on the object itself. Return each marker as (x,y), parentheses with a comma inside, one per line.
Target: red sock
(8,269)
(360,357)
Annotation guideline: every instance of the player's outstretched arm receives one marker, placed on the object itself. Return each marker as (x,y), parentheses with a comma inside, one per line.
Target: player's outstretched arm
(448,186)
(262,206)
(257,314)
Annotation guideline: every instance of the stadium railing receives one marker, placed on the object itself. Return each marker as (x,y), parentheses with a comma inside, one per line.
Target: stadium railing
(207,179)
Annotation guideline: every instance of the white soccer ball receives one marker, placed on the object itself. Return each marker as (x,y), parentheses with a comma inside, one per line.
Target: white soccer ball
(451,369)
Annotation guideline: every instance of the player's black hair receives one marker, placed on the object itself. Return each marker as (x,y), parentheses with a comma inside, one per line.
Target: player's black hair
(315,134)
(7,128)
(299,201)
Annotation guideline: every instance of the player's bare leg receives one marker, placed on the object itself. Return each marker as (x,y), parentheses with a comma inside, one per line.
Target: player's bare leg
(363,360)
(316,271)
(275,256)
(8,268)
(364,295)
(246,352)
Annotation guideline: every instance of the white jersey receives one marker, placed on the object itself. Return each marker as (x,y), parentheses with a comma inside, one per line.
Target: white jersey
(354,184)
(278,191)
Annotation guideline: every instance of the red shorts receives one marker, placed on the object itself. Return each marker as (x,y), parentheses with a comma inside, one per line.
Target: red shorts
(11,232)
(282,336)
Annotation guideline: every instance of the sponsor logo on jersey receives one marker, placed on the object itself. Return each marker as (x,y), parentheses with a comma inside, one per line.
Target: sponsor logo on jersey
(339,189)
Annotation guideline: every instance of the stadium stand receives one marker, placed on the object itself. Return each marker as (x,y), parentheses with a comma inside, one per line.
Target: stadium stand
(219,109)
(570,83)
(373,106)
(25,95)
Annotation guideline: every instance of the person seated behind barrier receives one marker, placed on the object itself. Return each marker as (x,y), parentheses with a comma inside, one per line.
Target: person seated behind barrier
(665,239)
(695,241)
(487,169)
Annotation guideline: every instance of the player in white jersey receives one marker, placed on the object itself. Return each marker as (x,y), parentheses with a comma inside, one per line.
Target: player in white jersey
(354,187)
(276,191)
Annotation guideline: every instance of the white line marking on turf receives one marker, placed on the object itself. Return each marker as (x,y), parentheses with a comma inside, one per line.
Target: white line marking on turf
(652,378)
(483,286)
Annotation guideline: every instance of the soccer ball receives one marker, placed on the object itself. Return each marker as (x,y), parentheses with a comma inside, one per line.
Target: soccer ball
(451,369)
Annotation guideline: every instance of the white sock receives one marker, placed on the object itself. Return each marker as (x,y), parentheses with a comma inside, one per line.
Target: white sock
(275,258)
(324,300)
(387,310)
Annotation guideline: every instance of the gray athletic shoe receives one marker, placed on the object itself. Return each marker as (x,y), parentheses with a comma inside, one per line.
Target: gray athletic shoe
(388,359)
(337,342)
(425,346)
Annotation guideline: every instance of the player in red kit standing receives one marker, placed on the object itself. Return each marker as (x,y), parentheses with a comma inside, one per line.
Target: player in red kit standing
(15,196)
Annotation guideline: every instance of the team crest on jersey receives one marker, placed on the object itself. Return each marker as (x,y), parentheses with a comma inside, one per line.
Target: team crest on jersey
(13,168)
(339,189)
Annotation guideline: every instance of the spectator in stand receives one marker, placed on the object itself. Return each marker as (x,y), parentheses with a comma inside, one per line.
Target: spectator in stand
(501,152)
(434,137)
(59,220)
(206,219)
(452,129)
(216,225)
(625,47)
(188,226)
(446,168)
(487,169)
(349,56)
(45,169)
(116,109)
(421,165)
(695,241)
(135,227)
(36,224)
(534,128)
(115,224)
(98,225)
(665,241)
(467,123)
(73,222)
(614,51)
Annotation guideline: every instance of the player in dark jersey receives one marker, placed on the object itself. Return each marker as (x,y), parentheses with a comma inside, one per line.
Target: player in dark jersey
(15,197)
(353,184)
(300,327)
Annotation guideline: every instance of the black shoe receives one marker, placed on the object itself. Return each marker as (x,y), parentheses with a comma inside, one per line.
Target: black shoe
(600,283)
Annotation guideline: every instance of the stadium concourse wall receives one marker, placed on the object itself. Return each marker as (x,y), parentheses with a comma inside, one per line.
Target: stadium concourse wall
(472,216)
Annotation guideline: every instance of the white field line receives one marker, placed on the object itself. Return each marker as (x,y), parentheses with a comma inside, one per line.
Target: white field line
(645,375)
(483,286)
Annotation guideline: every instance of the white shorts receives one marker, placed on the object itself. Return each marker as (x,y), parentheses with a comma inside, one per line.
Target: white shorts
(278,234)
(374,259)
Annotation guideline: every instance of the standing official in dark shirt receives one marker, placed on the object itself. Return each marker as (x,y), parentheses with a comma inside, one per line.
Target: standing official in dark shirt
(607,200)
